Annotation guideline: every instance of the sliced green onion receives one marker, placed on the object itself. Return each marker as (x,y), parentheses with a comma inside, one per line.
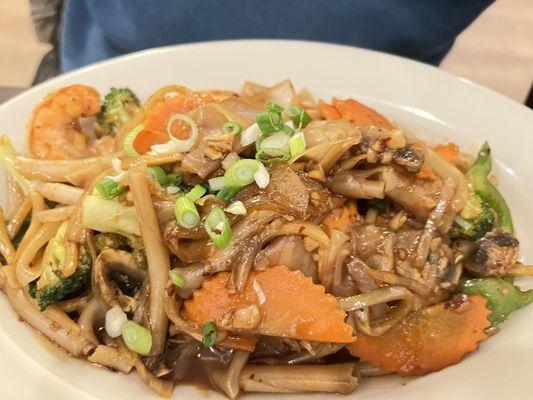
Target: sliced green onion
(176,278)
(109,189)
(274,147)
(236,208)
(269,122)
(129,150)
(159,174)
(218,227)
(262,177)
(298,116)
(215,184)
(250,135)
(175,144)
(297,144)
(174,179)
(274,107)
(136,337)
(196,192)
(241,173)
(231,127)
(288,129)
(228,192)
(210,334)
(186,212)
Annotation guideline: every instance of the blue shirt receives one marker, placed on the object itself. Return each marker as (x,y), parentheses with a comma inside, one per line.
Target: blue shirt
(94,30)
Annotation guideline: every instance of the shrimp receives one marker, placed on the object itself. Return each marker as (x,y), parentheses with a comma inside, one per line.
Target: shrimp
(54,127)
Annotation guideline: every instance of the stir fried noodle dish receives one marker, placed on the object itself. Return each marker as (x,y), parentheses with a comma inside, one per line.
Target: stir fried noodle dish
(258,241)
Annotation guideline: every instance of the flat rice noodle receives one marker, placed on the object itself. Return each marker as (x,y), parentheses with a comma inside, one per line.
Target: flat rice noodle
(375,246)
(417,196)
(245,229)
(320,132)
(286,192)
(240,110)
(195,161)
(282,93)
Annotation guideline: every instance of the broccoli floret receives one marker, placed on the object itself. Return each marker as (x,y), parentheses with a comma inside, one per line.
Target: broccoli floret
(60,287)
(120,104)
(474,220)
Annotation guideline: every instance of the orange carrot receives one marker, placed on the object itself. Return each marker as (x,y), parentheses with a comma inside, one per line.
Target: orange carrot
(448,151)
(328,112)
(428,340)
(342,218)
(359,114)
(242,342)
(285,303)
(155,123)
(426,173)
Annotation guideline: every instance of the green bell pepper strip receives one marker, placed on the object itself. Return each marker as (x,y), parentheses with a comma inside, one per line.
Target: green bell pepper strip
(478,177)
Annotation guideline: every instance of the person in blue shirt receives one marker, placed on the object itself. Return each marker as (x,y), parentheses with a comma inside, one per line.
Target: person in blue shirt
(94,30)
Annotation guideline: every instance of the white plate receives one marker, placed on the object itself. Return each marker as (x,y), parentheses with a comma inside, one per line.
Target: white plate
(432,103)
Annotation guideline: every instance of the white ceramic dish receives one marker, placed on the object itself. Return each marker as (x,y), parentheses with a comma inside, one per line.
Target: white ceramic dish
(428,101)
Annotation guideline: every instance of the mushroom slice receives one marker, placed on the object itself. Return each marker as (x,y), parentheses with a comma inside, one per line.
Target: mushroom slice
(118,279)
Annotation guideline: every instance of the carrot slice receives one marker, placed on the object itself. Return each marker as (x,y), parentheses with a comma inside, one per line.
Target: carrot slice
(426,173)
(359,114)
(238,341)
(429,339)
(448,151)
(341,218)
(155,123)
(328,112)
(289,304)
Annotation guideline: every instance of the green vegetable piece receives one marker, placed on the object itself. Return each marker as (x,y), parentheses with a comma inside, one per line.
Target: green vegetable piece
(210,334)
(474,220)
(241,173)
(186,212)
(299,117)
(60,287)
(478,177)
(218,227)
(228,192)
(120,104)
(136,337)
(269,122)
(159,174)
(273,107)
(177,279)
(196,192)
(231,127)
(502,296)
(109,189)
(174,179)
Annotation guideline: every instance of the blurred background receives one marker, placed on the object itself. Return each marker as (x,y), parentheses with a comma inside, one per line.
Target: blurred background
(496,50)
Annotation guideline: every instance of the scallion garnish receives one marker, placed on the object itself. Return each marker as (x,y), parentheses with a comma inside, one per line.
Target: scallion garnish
(186,212)
(297,144)
(298,116)
(228,192)
(174,179)
(196,192)
(210,334)
(177,279)
(159,174)
(241,173)
(231,127)
(288,129)
(215,184)
(273,147)
(269,122)
(274,107)
(218,227)
(109,189)
(136,337)
(129,150)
